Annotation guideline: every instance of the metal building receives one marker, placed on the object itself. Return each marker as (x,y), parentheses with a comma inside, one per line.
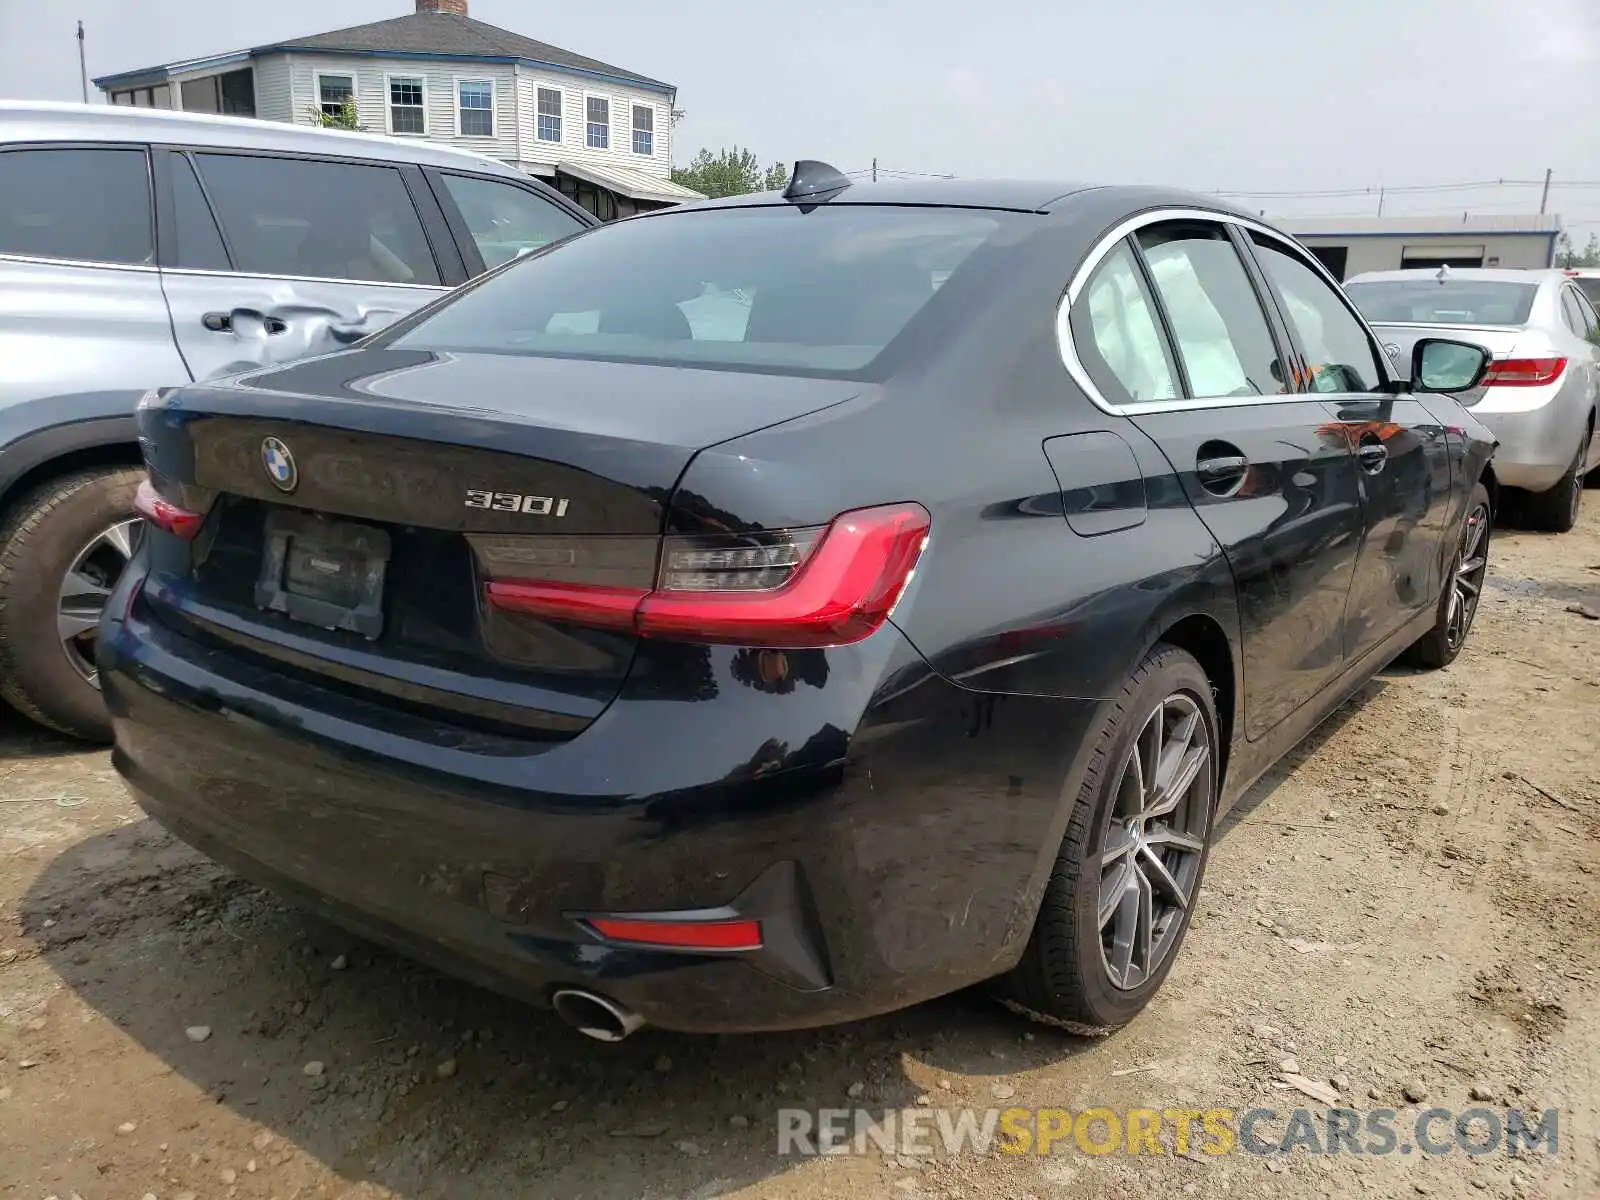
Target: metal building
(1349,246)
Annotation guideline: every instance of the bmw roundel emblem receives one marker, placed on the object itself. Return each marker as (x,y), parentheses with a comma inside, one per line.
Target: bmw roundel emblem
(275,457)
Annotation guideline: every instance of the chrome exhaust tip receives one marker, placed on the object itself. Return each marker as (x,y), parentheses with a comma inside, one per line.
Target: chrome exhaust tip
(595,1016)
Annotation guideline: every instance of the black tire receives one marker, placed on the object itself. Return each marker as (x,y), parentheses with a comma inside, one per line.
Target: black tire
(1065,977)
(1440,646)
(41,536)
(1556,511)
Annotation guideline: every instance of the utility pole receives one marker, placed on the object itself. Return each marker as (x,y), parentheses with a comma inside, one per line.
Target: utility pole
(1380,201)
(875,173)
(83,67)
(1544,200)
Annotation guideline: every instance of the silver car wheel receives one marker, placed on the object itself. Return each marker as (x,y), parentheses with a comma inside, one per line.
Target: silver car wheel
(85,589)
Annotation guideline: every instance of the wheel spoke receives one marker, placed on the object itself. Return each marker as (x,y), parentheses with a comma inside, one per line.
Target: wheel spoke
(1181,783)
(1471,566)
(1124,841)
(74,623)
(1161,837)
(121,537)
(1465,587)
(1151,773)
(78,587)
(1162,879)
(1147,922)
(1172,760)
(1111,897)
(1126,931)
(1134,805)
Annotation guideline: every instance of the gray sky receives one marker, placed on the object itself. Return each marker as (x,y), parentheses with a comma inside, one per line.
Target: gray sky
(1259,95)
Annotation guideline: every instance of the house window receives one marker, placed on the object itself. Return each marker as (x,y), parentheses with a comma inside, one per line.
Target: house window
(599,123)
(476,108)
(406,114)
(549,115)
(333,91)
(644,129)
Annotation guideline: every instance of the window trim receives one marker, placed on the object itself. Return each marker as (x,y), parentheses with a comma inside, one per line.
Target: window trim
(389,105)
(634,109)
(150,193)
(1104,245)
(610,124)
(560,115)
(316,86)
(494,99)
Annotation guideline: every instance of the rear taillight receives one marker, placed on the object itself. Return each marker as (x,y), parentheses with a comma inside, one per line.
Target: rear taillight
(1524,372)
(792,588)
(164,514)
(735,934)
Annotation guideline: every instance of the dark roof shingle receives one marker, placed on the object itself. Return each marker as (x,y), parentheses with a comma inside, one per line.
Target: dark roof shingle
(447,33)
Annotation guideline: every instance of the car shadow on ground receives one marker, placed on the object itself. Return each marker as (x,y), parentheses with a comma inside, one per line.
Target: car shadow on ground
(21,738)
(428,1083)
(157,939)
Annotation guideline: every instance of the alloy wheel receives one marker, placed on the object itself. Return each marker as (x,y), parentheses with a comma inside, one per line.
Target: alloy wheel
(1161,817)
(1467,586)
(86,587)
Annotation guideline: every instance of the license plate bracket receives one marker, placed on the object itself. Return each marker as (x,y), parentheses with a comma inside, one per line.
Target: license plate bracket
(324,572)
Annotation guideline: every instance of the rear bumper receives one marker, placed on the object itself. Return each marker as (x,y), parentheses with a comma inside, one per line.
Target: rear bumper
(1536,445)
(902,842)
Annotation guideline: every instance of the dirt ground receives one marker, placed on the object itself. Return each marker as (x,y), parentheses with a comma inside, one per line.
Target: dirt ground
(1407,908)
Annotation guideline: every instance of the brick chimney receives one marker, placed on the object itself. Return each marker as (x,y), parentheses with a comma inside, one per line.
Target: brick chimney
(459,7)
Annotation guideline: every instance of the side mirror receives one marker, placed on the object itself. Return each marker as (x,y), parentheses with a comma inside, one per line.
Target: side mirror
(1441,365)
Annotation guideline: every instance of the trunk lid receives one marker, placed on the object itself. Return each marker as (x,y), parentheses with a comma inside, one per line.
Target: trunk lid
(359,503)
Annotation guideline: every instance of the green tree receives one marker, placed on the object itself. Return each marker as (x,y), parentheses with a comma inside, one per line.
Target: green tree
(345,118)
(732,172)
(1568,255)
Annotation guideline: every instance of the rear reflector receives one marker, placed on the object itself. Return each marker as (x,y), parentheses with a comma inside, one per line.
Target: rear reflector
(1524,372)
(681,935)
(164,514)
(792,589)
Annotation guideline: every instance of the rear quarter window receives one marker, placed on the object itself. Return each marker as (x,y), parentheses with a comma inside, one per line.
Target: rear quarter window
(90,205)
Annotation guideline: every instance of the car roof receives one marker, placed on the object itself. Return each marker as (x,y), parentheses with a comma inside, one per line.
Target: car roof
(28,121)
(1480,274)
(1014,195)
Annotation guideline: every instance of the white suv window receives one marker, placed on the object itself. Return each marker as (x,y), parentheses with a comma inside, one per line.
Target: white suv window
(82,204)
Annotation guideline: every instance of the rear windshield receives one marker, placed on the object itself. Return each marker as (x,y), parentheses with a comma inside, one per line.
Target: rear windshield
(1444,302)
(768,288)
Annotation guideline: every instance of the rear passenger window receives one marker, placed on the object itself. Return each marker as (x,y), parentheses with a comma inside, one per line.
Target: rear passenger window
(1118,335)
(505,220)
(88,205)
(199,244)
(1339,355)
(1222,335)
(287,216)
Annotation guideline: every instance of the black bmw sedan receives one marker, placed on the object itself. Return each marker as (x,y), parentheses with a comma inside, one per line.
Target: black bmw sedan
(777,611)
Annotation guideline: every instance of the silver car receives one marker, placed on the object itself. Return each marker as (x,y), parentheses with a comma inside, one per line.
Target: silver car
(1542,391)
(145,249)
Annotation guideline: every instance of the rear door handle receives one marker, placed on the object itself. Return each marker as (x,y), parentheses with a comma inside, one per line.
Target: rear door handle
(222,322)
(1221,474)
(1373,456)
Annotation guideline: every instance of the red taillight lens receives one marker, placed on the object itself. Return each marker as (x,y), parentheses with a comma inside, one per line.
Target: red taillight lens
(795,589)
(681,935)
(164,514)
(1524,372)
